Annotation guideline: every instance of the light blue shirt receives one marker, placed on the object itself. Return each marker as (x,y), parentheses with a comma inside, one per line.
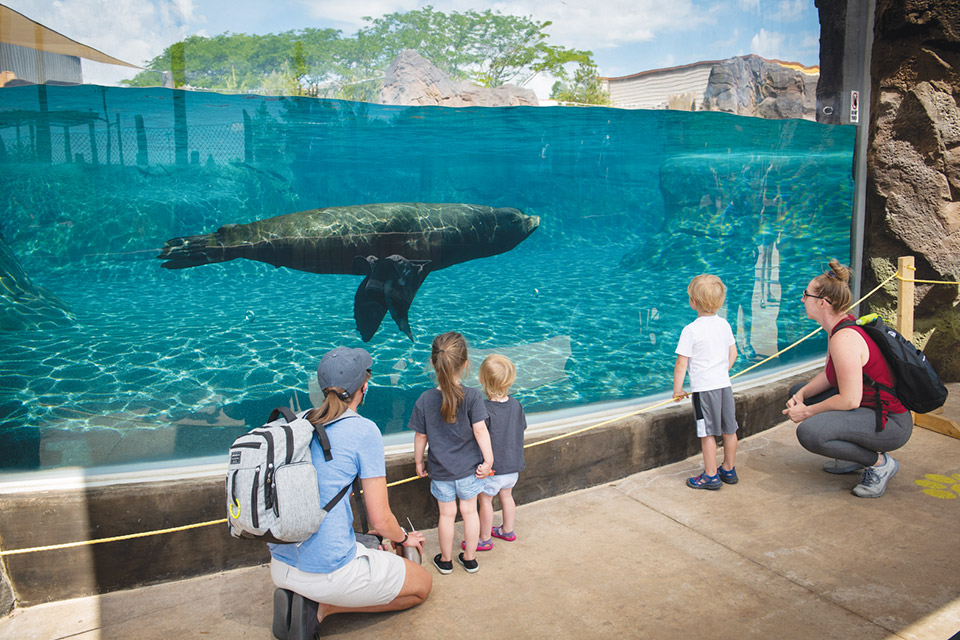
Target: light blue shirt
(357,448)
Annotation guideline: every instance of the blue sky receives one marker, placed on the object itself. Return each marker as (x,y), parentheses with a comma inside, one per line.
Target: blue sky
(626,36)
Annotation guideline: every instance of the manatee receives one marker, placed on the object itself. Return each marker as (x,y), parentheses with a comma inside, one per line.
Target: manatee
(393,245)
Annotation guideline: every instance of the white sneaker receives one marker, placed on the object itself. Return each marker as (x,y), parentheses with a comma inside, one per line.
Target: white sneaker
(874,480)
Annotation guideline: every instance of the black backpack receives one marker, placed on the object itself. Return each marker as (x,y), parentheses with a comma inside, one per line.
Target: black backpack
(916,384)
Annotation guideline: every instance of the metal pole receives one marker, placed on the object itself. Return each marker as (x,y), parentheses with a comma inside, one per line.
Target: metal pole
(865,9)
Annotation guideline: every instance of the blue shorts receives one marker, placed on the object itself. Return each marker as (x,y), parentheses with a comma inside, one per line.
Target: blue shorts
(492,485)
(450,490)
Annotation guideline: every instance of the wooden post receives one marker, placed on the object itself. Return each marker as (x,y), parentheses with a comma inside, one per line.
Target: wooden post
(906,271)
(905,304)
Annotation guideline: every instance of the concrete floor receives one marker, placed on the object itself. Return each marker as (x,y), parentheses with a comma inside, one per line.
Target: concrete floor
(787,553)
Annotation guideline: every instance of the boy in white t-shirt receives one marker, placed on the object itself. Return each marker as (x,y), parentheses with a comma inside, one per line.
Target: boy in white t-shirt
(707,345)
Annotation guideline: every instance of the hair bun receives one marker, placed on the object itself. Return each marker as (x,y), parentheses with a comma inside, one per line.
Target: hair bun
(839,271)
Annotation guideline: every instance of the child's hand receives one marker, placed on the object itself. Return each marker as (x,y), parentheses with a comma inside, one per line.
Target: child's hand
(679,395)
(421,472)
(484,470)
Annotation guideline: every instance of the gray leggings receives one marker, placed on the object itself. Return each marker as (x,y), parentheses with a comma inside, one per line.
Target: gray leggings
(851,435)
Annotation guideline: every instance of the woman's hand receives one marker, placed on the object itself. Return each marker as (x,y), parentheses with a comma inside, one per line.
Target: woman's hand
(794,400)
(414,539)
(421,472)
(796,410)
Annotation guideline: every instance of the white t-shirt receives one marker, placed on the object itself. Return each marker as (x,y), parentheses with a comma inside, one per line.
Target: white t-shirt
(706,342)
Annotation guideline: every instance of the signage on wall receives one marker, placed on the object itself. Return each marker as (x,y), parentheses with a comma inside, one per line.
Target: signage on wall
(854,106)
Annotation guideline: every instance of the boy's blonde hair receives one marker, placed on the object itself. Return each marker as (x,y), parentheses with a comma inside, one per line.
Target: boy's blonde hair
(707,292)
(496,375)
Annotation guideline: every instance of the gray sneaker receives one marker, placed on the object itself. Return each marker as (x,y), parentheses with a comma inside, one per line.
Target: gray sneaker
(874,480)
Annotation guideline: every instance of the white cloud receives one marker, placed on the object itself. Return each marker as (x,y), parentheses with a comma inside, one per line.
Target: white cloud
(595,25)
(792,10)
(133,30)
(749,5)
(767,44)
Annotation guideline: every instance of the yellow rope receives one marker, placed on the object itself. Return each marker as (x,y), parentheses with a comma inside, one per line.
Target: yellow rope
(144,534)
(928,281)
(129,536)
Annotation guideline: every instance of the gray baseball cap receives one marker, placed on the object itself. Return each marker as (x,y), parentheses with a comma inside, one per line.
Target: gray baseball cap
(345,368)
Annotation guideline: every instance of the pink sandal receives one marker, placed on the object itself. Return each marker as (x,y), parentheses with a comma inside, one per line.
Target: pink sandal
(482,545)
(497,532)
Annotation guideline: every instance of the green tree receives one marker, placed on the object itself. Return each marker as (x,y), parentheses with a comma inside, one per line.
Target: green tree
(585,88)
(239,62)
(487,47)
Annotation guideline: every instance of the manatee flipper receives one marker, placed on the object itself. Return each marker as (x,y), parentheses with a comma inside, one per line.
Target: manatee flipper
(390,285)
(191,251)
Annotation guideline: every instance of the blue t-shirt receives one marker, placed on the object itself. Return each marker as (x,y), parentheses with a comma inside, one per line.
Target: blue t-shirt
(357,448)
(453,451)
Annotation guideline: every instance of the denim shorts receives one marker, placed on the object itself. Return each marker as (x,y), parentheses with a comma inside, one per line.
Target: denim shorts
(493,484)
(450,490)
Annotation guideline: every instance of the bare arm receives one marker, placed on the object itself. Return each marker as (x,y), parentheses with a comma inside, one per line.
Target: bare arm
(419,446)
(483,439)
(732,356)
(679,372)
(381,517)
(849,353)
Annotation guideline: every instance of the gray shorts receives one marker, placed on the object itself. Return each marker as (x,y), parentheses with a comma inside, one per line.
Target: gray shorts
(715,412)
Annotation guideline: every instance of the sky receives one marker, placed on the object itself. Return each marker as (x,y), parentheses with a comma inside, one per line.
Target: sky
(625,36)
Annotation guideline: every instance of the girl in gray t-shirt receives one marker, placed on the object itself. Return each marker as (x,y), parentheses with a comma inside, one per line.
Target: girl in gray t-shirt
(452,420)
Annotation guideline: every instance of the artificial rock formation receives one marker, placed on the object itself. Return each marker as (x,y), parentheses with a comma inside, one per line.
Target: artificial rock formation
(913,183)
(752,86)
(411,79)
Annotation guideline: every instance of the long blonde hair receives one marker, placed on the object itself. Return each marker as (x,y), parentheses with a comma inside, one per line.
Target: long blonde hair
(335,403)
(449,357)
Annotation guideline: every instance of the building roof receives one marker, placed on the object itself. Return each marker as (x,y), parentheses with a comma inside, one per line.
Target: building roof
(18,29)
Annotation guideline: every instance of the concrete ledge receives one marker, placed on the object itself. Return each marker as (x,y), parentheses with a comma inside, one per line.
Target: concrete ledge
(54,516)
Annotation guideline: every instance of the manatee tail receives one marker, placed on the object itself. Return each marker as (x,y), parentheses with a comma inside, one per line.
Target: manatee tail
(390,285)
(192,251)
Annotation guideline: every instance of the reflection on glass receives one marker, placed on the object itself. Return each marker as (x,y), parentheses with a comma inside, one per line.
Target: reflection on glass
(106,357)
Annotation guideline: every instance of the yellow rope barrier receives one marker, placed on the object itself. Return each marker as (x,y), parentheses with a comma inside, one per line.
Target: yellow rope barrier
(144,534)
(129,536)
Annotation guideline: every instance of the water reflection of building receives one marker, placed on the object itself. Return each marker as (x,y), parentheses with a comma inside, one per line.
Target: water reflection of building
(31,53)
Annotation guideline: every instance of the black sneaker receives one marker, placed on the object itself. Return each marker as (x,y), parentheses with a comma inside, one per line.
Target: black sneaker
(303,618)
(472,566)
(282,600)
(443,567)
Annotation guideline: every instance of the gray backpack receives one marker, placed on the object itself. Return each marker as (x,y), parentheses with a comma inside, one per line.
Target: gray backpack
(272,492)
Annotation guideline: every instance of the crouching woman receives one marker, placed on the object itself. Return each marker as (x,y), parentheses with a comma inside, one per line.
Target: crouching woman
(331,572)
(837,413)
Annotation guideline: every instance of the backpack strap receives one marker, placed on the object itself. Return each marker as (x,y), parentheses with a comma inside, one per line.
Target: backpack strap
(867,380)
(337,498)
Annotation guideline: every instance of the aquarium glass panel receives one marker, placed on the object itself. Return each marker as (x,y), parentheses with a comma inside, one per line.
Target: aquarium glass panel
(107,357)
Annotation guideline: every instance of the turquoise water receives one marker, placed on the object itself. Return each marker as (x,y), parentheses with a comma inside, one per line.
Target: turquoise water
(155,364)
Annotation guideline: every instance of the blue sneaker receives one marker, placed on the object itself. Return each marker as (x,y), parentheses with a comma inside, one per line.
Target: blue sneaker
(703,481)
(728,477)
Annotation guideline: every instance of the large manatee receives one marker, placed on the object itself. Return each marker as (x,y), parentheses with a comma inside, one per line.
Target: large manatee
(394,245)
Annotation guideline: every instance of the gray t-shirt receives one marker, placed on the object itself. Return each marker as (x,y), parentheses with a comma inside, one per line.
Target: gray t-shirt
(506,425)
(453,451)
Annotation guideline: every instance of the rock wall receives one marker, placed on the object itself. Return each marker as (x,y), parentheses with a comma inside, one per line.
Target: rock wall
(913,183)
(411,79)
(752,86)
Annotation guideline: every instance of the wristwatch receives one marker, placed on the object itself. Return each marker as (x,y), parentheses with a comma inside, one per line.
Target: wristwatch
(405,536)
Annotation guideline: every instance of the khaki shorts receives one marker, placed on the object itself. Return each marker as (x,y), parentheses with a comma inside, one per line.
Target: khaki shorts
(372,578)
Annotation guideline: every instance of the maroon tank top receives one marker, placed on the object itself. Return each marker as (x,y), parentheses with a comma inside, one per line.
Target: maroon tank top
(878,370)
